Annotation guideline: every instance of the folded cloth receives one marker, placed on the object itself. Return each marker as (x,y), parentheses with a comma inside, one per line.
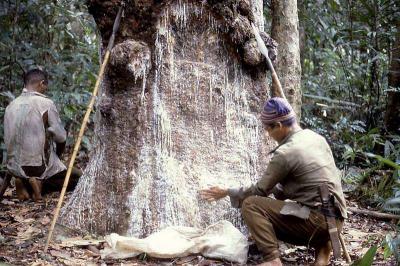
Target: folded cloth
(219,241)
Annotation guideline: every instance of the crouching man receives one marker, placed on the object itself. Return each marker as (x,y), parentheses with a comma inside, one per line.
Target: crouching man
(301,165)
(34,140)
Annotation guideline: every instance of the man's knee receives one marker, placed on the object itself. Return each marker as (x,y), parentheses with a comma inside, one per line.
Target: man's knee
(254,205)
(257,205)
(248,203)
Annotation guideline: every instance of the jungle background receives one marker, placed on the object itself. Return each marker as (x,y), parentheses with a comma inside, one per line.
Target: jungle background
(350,81)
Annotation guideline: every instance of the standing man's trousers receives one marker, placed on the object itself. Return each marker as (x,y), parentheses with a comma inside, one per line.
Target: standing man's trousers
(267,225)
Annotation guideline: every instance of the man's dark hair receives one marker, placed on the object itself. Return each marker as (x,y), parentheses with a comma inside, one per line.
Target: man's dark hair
(35,75)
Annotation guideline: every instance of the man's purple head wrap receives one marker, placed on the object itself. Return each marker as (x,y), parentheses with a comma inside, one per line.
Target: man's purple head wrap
(276,110)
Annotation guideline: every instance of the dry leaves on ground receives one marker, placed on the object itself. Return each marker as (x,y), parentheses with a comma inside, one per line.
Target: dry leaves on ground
(24,226)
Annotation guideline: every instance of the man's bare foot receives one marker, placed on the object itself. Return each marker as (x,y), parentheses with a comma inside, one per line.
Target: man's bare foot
(22,193)
(323,254)
(275,262)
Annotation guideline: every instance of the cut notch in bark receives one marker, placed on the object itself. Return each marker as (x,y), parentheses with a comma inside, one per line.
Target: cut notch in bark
(130,61)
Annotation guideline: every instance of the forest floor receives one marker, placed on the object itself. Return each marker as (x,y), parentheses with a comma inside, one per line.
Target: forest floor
(24,226)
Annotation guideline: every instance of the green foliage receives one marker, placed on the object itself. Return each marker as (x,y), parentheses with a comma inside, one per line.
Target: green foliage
(392,247)
(57,36)
(345,62)
(368,257)
(346,57)
(347,50)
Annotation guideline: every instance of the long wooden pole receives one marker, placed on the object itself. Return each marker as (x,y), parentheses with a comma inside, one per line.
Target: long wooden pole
(264,51)
(83,126)
(345,252)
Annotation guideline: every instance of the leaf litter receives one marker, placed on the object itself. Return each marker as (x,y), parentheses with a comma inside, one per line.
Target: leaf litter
(24,227)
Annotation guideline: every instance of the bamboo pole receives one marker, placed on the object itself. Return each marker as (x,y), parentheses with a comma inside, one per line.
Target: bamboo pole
(264,51)
(345,252)
(83,126)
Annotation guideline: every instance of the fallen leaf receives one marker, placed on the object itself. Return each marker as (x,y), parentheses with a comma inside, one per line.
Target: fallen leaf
(28,234)
(40,262)
(60,254)
(4,224)
(71,242)
(7,202)
(21,219)
(74,262)
(45,220)
(186,260)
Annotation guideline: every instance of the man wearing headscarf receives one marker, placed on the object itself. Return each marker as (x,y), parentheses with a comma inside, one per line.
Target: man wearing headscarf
(301,163)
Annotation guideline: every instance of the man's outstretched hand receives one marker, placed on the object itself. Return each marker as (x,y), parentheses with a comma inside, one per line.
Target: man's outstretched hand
(213,193)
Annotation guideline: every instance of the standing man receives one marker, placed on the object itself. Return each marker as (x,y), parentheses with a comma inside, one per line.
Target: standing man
(302,164)
(32,127)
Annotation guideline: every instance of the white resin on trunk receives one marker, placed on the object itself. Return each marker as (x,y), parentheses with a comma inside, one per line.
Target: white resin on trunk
(190,153)
(199,128)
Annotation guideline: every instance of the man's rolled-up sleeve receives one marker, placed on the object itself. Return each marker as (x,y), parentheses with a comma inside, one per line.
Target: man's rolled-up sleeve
(55,126)
(275,173)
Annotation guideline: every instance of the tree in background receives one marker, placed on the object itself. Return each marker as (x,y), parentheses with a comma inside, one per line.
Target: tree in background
(346,51)
(347,47)
(285,30)
(392,117)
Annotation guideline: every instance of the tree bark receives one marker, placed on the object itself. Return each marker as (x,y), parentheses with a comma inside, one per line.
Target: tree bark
(178,112)
(285,30)
(392,116)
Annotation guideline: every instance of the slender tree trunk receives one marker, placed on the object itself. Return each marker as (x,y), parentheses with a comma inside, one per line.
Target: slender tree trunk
(178,112)
(285,30)
(392,116)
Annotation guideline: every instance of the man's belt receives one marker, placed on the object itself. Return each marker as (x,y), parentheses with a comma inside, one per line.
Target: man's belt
(328,209)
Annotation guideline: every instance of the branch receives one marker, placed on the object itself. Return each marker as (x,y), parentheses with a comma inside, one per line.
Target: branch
(331,100)
(375,214)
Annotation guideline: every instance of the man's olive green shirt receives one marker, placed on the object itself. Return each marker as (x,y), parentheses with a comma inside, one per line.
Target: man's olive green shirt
(300,164)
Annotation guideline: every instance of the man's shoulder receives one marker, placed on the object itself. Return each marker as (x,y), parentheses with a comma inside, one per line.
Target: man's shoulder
(14,103)
(308,135)
(39,99)
(32,100)
(309,132)
(302,140)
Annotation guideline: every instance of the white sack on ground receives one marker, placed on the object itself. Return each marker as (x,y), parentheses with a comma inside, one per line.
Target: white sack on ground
(220,241)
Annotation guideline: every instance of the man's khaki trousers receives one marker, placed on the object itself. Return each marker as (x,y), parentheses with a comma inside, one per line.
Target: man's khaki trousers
(267,225)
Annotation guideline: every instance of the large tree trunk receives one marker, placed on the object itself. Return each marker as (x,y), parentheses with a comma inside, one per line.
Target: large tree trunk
(285,30)
(178,112)
(392,116)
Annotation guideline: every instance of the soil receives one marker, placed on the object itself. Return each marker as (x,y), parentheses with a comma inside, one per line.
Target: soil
(24,226)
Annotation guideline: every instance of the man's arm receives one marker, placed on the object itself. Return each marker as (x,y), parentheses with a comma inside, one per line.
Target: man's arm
(276,172)
(55,126)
